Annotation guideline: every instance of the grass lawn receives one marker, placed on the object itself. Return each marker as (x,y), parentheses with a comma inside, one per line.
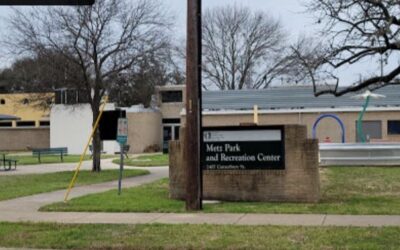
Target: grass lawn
(159,236)
(24,185)
(33,160)
(344,190)
(146,160)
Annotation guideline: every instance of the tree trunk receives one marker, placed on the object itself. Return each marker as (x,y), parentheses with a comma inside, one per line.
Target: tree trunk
(96,142)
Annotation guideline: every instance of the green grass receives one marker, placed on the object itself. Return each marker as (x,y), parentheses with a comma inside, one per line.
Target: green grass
(33,160)
(146,161)
(344,190)
(24,185)
(159,236)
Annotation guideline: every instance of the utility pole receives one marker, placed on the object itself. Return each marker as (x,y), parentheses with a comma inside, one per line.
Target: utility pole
(193,107)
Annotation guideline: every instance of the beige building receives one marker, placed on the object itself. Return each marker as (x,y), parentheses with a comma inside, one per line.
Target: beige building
(171,101)
(152,129)
(288,105)
(23,110)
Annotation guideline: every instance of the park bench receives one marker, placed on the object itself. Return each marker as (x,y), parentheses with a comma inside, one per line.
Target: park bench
(8,163)
(39,152)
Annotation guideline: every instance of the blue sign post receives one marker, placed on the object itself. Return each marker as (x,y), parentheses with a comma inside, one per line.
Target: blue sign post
(122,138)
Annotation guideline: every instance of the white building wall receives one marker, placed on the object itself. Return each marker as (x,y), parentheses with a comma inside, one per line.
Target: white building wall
(71,125)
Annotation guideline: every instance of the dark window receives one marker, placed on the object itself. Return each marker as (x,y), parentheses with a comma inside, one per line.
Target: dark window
(109,124)
(171,96)
(371,130)
(70,96)
(171,121)
(5,124)
(2,101)
(393,127)
(25,124)
(177,128)
(44,123)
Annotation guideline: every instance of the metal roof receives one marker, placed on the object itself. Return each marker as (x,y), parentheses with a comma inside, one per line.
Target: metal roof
(292,98)
(9,117)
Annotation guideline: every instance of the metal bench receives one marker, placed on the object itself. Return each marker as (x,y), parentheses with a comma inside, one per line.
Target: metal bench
(8,163)
(39,152)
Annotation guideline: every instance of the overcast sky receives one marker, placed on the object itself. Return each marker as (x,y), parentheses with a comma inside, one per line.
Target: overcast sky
(291,13)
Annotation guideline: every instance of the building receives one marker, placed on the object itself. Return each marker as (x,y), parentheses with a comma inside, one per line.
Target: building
(24,123)
(296,105)
(150,129)
(171,101)
(24,110)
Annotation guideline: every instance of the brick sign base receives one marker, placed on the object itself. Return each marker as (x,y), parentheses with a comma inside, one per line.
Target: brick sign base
(298,182)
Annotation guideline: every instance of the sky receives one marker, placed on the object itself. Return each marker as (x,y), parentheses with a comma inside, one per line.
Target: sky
(292,14)
(289,12)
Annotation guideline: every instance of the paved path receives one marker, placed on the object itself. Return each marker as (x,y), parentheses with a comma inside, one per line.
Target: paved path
(26,208)
(57,167)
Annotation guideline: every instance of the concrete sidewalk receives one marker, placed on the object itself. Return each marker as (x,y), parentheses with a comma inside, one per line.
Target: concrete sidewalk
(202,218)
(57,167)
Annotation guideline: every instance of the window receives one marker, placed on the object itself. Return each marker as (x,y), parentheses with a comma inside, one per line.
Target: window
(171,121)
(371,130)
(171,96)
(5,124)
(2,101)
(26,124)
(393,127)
(44,123)
(176,130)
(70,96)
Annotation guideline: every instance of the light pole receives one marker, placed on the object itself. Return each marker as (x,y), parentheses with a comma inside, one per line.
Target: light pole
(367,95)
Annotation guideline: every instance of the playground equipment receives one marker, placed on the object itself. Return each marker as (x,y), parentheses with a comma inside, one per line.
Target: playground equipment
(321,117)
(367,95)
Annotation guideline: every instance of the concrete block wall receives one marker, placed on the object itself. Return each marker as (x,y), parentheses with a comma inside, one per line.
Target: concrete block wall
(299,182)
(20,139)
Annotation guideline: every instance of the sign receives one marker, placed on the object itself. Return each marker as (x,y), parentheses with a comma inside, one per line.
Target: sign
(243,148)
(47,2)
(122,132)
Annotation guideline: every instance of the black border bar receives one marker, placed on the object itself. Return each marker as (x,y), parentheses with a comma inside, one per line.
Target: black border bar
(46,2)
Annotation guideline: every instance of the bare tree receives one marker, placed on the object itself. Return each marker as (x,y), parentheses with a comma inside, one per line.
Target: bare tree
(138,86)
(355,31)
(242,49)
(104,40)
(41,73)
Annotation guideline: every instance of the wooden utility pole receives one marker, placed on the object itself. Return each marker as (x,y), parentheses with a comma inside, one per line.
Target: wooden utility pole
(193,107)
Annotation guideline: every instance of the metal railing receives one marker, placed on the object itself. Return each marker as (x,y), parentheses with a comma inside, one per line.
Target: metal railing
(387,154)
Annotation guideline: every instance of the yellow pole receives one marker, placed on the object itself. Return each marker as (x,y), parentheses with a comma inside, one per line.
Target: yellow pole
(255,114)
(96,124)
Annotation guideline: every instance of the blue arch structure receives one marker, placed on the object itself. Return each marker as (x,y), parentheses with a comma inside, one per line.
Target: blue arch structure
(314,129)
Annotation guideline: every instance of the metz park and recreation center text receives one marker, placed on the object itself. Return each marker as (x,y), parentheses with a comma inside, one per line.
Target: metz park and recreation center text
(242,155)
